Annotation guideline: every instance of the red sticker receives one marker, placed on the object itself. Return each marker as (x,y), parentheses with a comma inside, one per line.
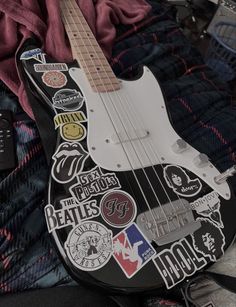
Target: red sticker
(55,79)
(118,208)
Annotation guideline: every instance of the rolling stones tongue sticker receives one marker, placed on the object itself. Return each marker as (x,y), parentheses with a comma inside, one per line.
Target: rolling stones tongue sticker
(68,161)
(118,208)
(209,206)
(209,240)
(89,246)
(179,181)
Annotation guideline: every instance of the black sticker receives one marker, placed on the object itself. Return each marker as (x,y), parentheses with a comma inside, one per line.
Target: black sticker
(68,100)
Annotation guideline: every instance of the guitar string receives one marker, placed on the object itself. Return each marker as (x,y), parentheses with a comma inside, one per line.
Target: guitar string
(155,173)
(131,121)
(141,190)
(152,167)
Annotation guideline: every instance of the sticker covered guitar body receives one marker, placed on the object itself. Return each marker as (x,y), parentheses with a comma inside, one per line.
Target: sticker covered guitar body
(130,230)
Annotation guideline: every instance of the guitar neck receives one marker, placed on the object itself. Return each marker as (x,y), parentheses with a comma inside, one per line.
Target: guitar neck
(86,50)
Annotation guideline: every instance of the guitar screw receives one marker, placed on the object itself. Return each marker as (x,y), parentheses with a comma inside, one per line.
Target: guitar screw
(162,158)
(91,110)
(93,148)
(107,141)
(118,165)
(204,175)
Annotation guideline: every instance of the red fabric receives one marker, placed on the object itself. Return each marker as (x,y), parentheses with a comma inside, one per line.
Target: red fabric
(21,19)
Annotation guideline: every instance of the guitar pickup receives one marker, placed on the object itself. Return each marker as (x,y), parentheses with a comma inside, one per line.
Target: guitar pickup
(128,136)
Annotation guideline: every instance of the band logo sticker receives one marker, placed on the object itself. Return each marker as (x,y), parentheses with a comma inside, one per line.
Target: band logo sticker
(209,240)
(54,79)
(70,125)
(68,100)
(93,183)
(118,208)
(209,304)
(89,246)
(71,213)
(68,161)
(209,206)
(177,179)
(35,54)
(50,67)
(177,263)
(132,250)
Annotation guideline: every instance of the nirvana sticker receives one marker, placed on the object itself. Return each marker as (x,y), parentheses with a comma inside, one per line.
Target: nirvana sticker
(179,181)
(132,250)
(209,206)
(89,246)
(177,263)
(68,100)
(54,79)
(68,161)
(70,127)
(209,240)
(118,208)
(93,183)
(50,67)
(35,54)
(71,213)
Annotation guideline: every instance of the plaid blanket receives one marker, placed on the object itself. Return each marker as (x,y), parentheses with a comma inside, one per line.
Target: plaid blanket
(201,110)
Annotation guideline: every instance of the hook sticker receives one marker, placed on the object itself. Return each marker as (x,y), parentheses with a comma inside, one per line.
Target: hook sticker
(177,179)
(68,161)
(89,246)
(132,250)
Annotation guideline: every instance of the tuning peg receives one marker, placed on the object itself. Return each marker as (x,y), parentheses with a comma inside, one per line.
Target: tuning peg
(225,175)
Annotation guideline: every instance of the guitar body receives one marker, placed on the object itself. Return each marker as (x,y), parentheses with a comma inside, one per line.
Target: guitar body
(130,207)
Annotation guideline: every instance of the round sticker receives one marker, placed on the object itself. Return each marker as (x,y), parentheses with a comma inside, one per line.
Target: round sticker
(89,246)
(118,208)
(55,79)
(73,132)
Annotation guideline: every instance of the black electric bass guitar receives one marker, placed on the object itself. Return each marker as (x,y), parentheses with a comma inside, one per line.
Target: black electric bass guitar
(131,206)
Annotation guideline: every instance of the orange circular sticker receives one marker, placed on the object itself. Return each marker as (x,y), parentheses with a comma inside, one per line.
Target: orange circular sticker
(55,79)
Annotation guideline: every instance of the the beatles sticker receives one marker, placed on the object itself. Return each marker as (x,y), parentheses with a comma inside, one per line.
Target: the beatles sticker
(68,100)
(177,179)
(68,160)
(93,183)
(71,213)
(118,208)
(132,250)
(89,246)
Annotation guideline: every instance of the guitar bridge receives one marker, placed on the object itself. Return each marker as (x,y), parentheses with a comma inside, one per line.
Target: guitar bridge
(169,222)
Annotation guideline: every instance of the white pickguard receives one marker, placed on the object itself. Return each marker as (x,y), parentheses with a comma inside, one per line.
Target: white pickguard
(119,120)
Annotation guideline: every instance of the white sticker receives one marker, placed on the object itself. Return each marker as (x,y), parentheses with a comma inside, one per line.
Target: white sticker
(68,100)
(177,179)
(89,246)
(209,206)
(178,262)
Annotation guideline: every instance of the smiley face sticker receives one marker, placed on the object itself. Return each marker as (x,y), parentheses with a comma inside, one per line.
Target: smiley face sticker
(73,132)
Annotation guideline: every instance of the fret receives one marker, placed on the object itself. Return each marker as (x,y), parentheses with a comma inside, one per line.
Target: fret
(86,49)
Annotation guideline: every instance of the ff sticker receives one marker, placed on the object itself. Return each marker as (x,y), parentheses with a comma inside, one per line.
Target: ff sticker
(209,206)
(118,208)
(209,240)
(89,246)
(68,161)
(177,179)
(132,250)
(68,100)
(54,79)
